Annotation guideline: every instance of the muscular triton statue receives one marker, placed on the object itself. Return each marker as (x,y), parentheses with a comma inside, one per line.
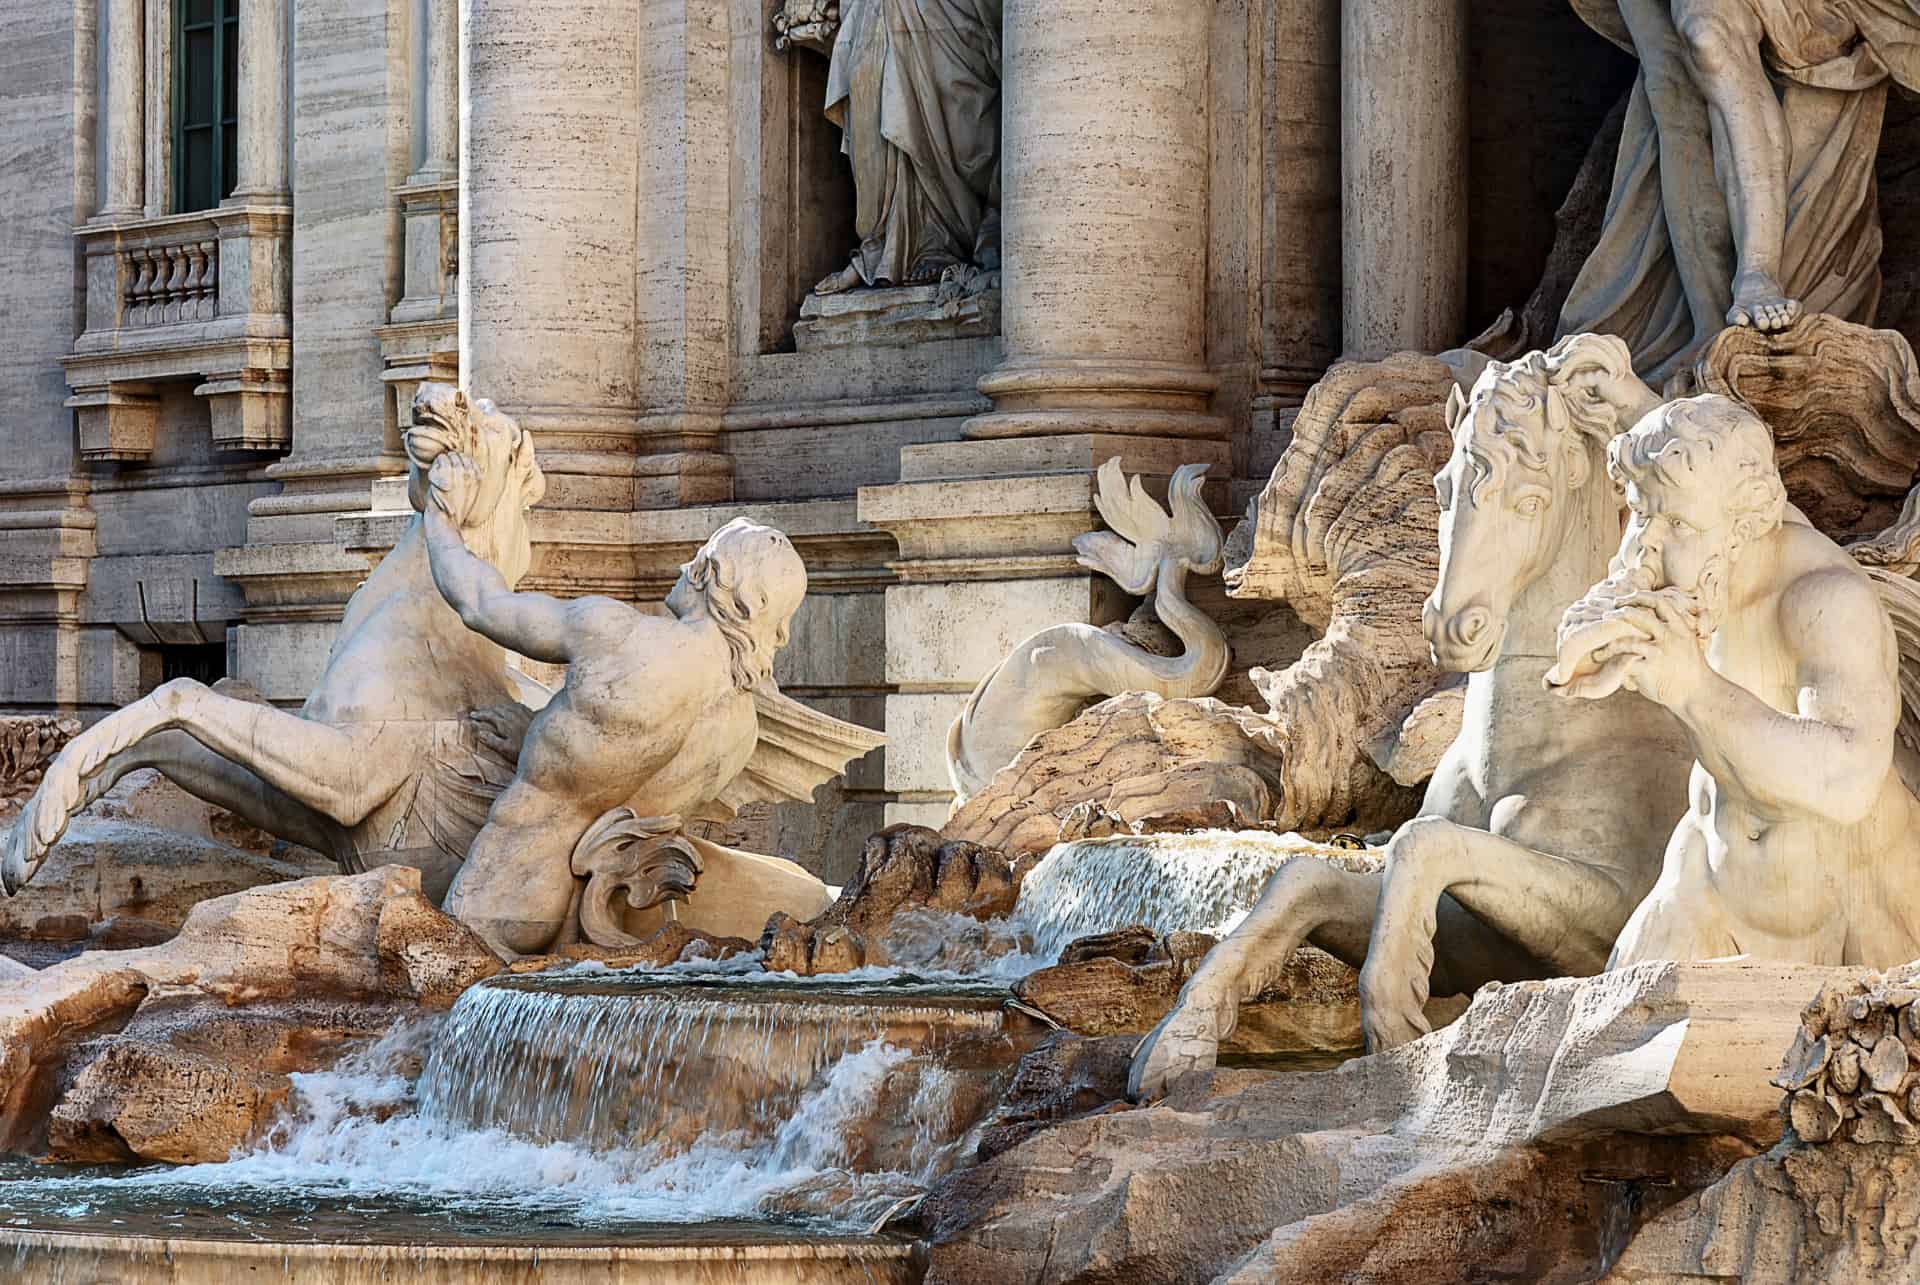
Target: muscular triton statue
(1744,192)
(1775,652)
(657,713)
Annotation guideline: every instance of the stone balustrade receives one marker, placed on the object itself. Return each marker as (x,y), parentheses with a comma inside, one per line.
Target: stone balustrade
(202,297)
(170,282)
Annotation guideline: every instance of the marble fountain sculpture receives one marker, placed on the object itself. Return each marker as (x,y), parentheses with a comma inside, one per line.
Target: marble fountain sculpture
(1780,657)
(1049,678)
(421,746)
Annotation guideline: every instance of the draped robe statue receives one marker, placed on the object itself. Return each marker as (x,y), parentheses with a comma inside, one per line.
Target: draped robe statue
(915,88)
(1744,192)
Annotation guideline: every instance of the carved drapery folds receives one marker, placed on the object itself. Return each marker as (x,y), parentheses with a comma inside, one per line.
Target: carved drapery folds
(914,86)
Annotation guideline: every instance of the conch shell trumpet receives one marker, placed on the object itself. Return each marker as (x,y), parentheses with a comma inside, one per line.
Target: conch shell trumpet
(1589,661)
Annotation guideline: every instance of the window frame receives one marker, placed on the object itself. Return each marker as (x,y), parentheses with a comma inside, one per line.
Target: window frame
(224,127)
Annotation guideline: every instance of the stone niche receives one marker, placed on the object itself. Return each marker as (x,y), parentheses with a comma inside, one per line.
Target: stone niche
(826,390)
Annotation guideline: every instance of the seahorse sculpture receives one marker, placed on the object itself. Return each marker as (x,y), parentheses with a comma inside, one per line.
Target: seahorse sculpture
(1048,679)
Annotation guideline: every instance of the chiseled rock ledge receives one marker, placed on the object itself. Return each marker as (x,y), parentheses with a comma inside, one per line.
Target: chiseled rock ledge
(45,1258)
(1550,1112)
(1839,1198)
(180,1052)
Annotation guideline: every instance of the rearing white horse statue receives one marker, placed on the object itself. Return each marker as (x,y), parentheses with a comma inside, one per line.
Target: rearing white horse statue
(1523,863)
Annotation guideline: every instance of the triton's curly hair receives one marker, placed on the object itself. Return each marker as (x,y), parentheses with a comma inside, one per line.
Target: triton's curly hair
(720,573)
(1707,436)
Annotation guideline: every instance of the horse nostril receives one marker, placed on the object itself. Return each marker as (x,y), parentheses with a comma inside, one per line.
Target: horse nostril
(1470,626)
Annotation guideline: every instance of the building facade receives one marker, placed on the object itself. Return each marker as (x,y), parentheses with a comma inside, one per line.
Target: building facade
(239,234)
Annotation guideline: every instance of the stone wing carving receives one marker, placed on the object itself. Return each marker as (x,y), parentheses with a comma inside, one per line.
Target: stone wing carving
(799,750)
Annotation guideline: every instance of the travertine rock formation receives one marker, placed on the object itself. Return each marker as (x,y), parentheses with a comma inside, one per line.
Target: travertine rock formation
(1839,1198)
(1843,402)
(1346,534)
(1126,982)
(128,882)
(1854,1069)
(672,944)
(238,987)
(1502,1142)
(1133,763)
(158,1102)
(28,743)
(904,870)
(1067,1076)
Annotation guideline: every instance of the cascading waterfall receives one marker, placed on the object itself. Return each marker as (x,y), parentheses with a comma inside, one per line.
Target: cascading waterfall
(613,1067)
(611,1098)
(1200,882)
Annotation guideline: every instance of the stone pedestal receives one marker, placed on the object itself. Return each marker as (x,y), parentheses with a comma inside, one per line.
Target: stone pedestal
(118,421)
(893,317)
(1403,73)
(249,409)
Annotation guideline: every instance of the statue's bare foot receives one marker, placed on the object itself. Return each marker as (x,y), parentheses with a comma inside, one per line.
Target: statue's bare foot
(848,278)
(1186,1040)
(1758,301)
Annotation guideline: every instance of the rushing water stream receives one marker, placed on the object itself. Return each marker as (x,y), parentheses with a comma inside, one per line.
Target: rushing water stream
(704,1104)
(1200,882)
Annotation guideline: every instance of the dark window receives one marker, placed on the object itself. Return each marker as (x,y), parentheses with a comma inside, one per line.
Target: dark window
(206,98)
(206,664)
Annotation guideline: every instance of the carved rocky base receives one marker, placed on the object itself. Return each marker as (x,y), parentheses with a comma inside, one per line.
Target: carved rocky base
(1528,1142)
(894,317)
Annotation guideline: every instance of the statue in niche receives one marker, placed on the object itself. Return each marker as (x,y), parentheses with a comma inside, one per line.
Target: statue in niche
(1781,659)
(914,86)
(1744,193)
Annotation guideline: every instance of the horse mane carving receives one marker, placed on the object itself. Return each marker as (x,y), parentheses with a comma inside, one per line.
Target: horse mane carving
(1535,401)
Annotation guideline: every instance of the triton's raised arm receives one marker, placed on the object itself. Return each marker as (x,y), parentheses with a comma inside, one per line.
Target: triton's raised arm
(535,625)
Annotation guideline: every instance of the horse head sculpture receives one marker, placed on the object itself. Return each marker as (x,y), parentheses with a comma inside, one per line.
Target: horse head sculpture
(446,419)
(1530,442)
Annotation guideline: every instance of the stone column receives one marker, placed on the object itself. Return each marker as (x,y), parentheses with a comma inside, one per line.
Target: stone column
(126,110)
(1403,142)
(550,246)
(441,125)
(263,103)
(1104,207)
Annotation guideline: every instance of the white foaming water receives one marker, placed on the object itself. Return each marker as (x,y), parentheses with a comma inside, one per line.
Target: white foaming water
(1200,882)
(643,1106)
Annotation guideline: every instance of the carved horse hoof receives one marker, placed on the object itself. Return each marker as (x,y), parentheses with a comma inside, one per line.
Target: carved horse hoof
(1186,1040)
(20,861)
